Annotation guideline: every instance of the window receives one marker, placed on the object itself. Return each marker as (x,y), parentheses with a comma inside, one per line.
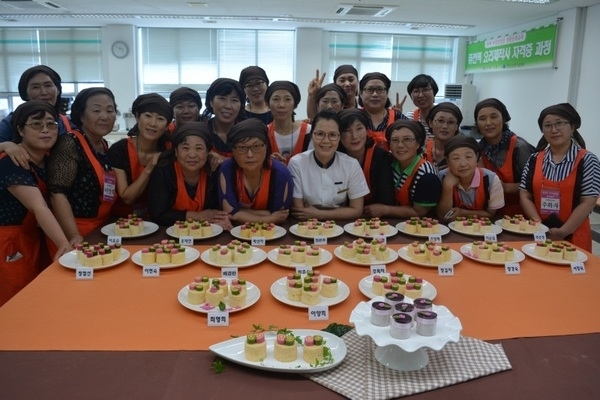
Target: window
(172,58)
(75,53)
(397,56)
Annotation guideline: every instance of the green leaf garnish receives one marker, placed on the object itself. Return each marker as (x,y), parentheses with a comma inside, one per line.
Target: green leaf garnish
(218,366)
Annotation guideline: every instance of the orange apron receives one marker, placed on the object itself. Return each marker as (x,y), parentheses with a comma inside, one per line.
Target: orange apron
(379,137)
(403,192)
(512,202)
(367,173)
(480,201)
(261,198)
(183,201)
(298,148)
(25,239)
(429,151)
(122,209)
(86,225)
(582,236)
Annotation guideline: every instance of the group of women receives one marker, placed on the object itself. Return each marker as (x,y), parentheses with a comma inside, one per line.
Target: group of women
(247,158)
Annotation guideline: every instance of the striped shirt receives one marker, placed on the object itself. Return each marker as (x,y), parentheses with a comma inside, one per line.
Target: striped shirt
(426,187)
(590,182)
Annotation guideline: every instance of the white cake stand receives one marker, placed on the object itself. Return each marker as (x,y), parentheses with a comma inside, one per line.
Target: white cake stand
(408,354)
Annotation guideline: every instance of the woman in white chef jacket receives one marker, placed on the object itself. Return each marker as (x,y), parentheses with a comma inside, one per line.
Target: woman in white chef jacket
(327,184)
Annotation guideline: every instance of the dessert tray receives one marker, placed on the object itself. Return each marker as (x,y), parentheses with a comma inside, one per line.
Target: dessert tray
(252,296)
(529,249)
(326,256)
(216,231)
(337,231)
(149,228)
(348,228)
(258,256)
(279,290)
(191,255)
(365,284)
(237,233)
(543,228)
(69,260)
(455,258)
(393,256)
(233,350)
(495,229)
(408,354)
(402,226)
(466,250)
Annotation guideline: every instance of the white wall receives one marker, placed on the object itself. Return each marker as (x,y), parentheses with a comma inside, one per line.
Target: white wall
(527,92)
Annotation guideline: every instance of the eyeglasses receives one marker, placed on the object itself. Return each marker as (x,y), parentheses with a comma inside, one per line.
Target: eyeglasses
(421,91)
(443,122)
(558,125)
(322,135)
(406,141)
(39,125)
(253,85)
(371,90)
(255,148)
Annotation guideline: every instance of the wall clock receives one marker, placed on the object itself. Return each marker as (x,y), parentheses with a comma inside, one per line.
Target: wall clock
(119,49)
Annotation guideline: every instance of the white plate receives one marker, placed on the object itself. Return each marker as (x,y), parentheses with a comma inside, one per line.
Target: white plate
(402,229)
(455,258)
(466,250)
(216,231)
(324,259)
(393,257)
(233,350)
(69,260)
(529,249)
(258,256)
(366,283)
(237,233)
(447,329)
(337,231)
(543,228)
(349,229)
(149,228)
(279,291)
(191,255)
(495,229)
(252,296)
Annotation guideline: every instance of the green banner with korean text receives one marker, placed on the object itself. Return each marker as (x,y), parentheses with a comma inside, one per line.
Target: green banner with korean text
(528,49)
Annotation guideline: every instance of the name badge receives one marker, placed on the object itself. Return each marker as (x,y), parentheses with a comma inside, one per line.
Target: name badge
(229,272)
(84,273)
(446,270)
(113,240)
(186,240)
(303,269)
(258,241)
(151,271)
(435,238)
(110,185)
(218,318)
(550,202)
(512,268)
(320,240)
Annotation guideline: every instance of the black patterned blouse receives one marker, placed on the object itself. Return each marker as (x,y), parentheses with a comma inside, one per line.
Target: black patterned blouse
(12,212)
(71,173)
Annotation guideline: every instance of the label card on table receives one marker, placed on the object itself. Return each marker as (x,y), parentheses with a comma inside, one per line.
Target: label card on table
(490,237)
(258,241)
(218,318)
(113,240)
(437,238)
(577,268)
(84,273)
(320,240)
(186,240)
(381,238)
(446,270)
(151,271)
(303,269)
(539,236)
(229,272)
(512,268)
(377,269)
(318,313)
